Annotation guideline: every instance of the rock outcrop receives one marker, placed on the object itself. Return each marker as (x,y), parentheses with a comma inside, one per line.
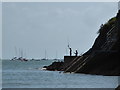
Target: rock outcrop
(55,66)
(118,88)
(103,57)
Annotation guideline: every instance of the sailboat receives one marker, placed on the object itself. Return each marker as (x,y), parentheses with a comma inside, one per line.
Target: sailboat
(56,56)
(45,56)
(20,58)
(15,57)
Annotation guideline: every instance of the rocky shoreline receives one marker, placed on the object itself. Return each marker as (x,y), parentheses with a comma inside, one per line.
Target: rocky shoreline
(55,66)
(102,58)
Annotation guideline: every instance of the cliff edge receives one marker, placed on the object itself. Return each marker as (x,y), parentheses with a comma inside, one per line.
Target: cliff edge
(103,57)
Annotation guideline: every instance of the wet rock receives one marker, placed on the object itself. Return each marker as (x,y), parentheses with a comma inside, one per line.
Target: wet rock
(55,66)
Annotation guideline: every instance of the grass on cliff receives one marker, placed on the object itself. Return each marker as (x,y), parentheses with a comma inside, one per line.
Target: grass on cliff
(104,28)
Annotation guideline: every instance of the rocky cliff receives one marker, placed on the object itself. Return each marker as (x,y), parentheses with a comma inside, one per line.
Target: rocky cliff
(103,57)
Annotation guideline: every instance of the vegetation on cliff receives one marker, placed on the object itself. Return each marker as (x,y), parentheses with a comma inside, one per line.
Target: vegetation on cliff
(105,51)
(103,28)
(103,57)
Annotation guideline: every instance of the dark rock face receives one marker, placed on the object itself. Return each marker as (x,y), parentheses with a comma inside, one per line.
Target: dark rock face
(103,57)
(55,66)
(106,49)
(118,88)
(102,64)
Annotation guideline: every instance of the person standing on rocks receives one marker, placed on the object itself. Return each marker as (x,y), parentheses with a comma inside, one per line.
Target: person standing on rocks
(70,51)
(76,52)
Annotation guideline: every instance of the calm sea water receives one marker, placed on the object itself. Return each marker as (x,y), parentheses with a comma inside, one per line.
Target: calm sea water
(18,74)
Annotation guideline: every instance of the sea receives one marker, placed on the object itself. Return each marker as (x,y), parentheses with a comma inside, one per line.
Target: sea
(29,74)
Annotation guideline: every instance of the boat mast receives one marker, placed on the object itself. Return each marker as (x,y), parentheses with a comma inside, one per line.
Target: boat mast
(25,54)
(45,54)
(22,53)
(15,51)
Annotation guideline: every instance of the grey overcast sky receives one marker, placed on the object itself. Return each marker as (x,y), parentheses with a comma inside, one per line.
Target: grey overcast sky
(34,27)
(0,29)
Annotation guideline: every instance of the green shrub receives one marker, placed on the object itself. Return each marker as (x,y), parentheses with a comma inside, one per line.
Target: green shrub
(104,28)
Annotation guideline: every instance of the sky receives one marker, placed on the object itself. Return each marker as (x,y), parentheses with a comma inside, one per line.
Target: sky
(36,27)
(0,30)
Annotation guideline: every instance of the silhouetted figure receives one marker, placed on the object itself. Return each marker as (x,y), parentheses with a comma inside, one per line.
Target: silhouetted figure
(101,25)
(70,51)
(76,52)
